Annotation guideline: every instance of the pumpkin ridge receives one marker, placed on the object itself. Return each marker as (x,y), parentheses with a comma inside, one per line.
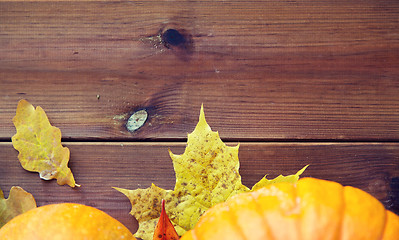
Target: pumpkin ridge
(364,210)
(194,234)
(261,214)
(385,225)
(341,220)
(288,212)
(298,206)
(391,228)
(233,220)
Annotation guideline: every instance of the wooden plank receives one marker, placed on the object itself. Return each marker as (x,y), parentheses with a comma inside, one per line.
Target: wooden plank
(265,70)
(100,166)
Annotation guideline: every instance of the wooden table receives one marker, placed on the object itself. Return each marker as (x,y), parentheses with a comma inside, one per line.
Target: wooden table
(294,82)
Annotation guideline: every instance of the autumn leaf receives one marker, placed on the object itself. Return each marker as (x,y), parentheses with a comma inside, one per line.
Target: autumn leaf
(165,229)
(39,145)
(18,201)
(291,178)
(206,174)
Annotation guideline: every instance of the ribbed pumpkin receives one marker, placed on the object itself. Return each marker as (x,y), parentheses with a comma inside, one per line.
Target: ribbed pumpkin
(310,209)
(65,221)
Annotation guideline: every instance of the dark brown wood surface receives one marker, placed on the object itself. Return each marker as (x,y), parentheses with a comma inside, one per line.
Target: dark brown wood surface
(98,167)
(263,69)
(295,82)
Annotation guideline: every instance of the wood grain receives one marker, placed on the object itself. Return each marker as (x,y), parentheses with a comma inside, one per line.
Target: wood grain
(265,70)
(295,82)
(100,166)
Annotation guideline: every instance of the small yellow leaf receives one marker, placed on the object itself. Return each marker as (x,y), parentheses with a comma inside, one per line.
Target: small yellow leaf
(145,203)
(207,173)
(39,145)
(18,201)
(291,178)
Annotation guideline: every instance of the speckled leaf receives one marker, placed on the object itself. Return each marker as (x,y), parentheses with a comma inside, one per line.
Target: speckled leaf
(39,145)
(145,207)
(206,174)
(18,201)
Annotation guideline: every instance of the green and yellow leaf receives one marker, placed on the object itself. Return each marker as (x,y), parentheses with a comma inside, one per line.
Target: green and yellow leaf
(18,201)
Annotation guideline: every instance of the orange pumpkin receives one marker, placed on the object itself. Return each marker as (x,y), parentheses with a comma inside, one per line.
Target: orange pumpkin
(64,221)
(309,209)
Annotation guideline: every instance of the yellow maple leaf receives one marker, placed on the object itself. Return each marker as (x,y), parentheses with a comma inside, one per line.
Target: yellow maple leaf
(206,174)
(18,201)
(39,145)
